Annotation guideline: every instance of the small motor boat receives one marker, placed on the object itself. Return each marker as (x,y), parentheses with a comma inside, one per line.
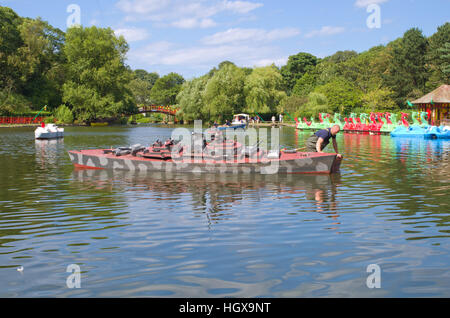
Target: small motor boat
(50,131)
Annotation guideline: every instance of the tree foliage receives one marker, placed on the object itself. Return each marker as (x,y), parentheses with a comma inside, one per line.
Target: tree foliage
(97,75)
(190,99)
(263,90)
(438,57)
(407,73)
(224,93)
(64,115)
(296,67)
(305,85)
(141,85)
(342,95)
(85,69)
(166,89)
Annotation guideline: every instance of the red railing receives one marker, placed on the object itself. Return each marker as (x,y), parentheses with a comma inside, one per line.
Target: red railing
(20,120)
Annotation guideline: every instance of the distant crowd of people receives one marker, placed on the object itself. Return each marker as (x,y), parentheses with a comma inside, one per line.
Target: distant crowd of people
(256,120)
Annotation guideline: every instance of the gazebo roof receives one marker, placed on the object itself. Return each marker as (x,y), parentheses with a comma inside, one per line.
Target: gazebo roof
(439,95)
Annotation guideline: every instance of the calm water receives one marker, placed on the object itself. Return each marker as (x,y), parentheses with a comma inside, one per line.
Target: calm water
(172,235)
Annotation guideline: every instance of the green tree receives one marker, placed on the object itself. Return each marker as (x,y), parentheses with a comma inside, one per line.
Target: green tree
(143,75)
(166,89)
(317,103)
(42,62)
(97,75)
(407,72)
(31,59)
(366,69)
(11,102)
(10,41)
(305,85)
(342,95)
(296,67)
(342,56)
(224,94)
(141,85)
(445,66)
(294,105)
(190,99)
(263,90)
(64,115)
(438,57)
(140,90)
(378,99)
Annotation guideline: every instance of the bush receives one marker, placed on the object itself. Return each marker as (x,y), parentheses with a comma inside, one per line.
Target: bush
(153,118)
(145,120)
(64,115)
(11,104)
(317,103)
(49,120)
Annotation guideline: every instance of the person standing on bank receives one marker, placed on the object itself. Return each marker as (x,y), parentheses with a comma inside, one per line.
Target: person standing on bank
(321,139)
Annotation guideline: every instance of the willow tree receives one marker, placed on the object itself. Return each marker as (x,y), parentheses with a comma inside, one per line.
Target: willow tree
(190,99)
(263,90)
(224,94)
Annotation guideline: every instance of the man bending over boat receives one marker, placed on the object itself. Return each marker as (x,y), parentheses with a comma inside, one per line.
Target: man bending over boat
(321,139)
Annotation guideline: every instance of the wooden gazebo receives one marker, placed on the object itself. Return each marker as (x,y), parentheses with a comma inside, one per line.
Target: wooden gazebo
(437,104)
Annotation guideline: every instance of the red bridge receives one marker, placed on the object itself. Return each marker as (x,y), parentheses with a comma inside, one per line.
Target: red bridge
(167,110)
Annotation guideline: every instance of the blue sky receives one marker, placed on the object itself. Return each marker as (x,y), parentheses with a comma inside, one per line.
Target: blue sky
(190,37)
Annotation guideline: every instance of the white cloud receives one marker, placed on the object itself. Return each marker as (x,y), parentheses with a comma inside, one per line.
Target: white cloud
(194,23)
(240,6)
(366,3)
(142,6)
(169,54)
(325,31)
(183,13)
(132,34)
(238,35)
(267,62)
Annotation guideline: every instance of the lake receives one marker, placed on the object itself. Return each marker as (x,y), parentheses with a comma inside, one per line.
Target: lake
(190,235)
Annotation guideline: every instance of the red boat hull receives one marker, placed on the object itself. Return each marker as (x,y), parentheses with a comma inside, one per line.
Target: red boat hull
(288,163)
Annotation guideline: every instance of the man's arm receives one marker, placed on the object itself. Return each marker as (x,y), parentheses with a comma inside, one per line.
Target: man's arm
(336,148)
(335,145)
(319,145)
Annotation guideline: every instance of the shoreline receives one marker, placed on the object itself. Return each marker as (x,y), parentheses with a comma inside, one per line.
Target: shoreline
(120,125)
(277,124)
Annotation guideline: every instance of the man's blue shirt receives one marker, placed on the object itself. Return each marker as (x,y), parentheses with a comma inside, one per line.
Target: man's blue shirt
(325,134)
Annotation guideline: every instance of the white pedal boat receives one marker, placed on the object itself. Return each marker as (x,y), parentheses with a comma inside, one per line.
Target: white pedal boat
(50,131)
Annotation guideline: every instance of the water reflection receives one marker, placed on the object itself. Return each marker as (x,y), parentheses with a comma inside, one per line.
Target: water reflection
(186,235)
(214,193)
(48,151)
